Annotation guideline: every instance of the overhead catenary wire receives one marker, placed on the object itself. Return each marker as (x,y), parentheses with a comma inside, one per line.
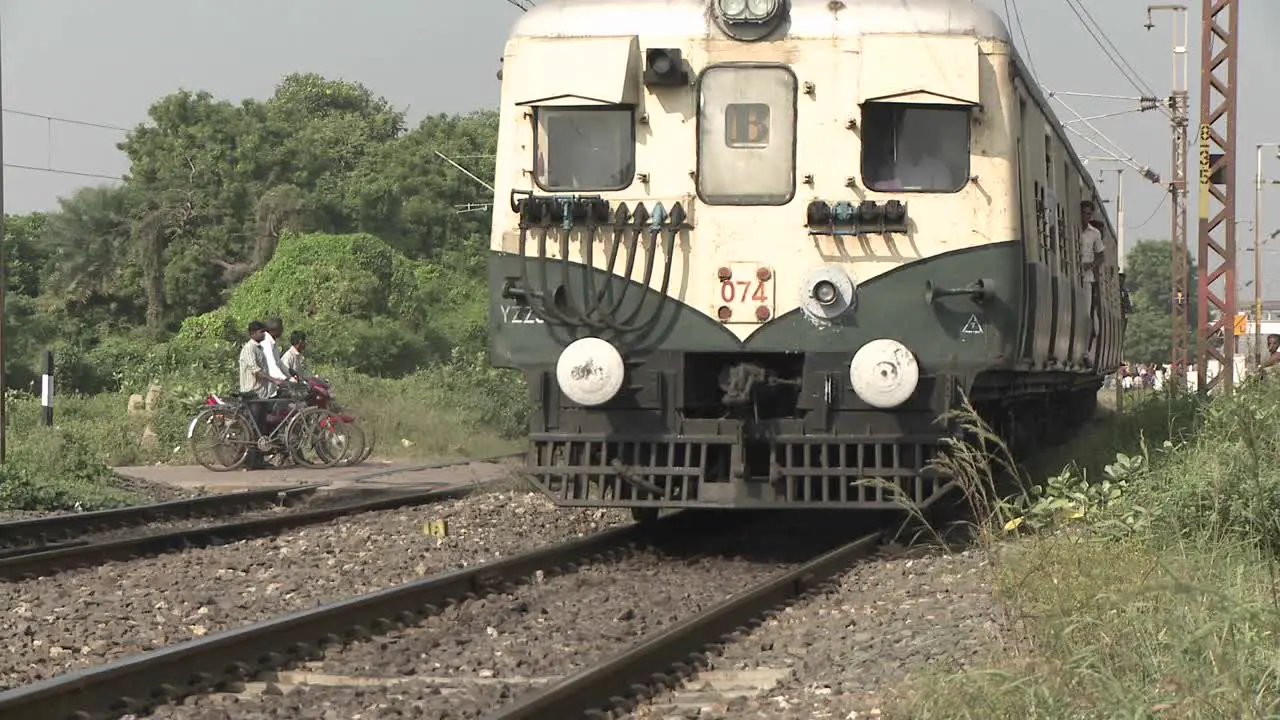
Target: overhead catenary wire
(1104,96)
(1113,53)
(1016,21)
(69,121)
(57,171)
(1114,148)
(1164,199)
(1105,115)
(1120,156)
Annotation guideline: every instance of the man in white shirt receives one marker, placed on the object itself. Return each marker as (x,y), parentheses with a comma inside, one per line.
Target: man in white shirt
(1092,254)
(255,379)
(275,368)
(293,361)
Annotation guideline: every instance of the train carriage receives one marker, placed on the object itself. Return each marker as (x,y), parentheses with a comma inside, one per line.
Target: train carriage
(747,252)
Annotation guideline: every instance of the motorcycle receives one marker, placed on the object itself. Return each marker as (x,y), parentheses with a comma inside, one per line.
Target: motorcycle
(363,440)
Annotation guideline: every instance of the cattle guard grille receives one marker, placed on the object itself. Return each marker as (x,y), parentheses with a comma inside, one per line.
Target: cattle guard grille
(692,471)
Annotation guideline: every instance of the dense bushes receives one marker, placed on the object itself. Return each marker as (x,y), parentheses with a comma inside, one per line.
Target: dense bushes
(52,468)
(364,306)
(331,286)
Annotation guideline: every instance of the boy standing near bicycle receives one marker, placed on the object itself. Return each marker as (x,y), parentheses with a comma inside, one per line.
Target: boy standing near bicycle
(293,361)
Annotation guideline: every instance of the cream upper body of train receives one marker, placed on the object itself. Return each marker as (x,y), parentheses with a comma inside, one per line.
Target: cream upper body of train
(747,252)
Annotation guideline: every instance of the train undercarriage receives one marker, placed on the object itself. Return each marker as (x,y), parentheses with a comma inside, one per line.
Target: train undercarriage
(779,430)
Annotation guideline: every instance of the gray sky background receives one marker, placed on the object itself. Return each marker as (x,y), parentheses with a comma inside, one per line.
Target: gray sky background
(106,62)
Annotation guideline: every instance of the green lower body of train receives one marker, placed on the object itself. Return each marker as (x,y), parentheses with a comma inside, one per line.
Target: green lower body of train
(803,438)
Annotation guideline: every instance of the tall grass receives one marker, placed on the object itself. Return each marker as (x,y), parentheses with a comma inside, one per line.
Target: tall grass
(1147,586)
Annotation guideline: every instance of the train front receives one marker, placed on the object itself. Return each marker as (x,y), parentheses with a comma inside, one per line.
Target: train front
(745,254)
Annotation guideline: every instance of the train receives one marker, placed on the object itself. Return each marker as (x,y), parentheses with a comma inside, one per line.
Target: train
(748,254)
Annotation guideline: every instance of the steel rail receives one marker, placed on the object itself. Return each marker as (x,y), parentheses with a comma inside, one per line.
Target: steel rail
(54,532)
(139,682)
(44,547)
(54,528)
(664,660)
(46,563)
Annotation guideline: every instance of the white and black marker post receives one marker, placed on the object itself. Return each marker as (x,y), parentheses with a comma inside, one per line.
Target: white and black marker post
(46,391)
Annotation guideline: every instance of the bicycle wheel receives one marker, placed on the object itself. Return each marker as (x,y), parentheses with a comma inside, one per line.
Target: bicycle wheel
(303,437)
(219,439)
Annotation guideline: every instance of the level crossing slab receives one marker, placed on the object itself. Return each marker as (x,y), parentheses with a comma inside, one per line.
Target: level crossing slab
(370,476)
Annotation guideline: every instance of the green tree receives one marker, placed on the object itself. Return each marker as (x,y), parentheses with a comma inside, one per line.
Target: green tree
(1148,265)
(215,183)
(410,195)
(212,187)
(91,248)
(1148,334)
(26,255)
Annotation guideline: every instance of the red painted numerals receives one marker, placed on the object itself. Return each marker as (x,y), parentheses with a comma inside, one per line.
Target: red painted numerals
(744,291)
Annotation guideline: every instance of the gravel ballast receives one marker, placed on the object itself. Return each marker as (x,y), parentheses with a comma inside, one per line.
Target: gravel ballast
(542,630)
(86,617)
(484,653)
(846,651)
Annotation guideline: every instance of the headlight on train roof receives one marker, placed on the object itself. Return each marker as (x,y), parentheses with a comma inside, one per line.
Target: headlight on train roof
(884,373)
(590,371)
(751,11)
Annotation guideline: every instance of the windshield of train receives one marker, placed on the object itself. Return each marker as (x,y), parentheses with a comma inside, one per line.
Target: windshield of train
(915,148)
(579,149)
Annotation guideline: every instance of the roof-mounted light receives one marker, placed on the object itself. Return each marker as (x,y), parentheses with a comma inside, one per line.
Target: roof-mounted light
(748,19)
(748,11)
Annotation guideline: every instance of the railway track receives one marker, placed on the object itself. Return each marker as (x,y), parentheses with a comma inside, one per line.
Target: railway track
(667,659)
(32,534)
(229,659)
(34,560)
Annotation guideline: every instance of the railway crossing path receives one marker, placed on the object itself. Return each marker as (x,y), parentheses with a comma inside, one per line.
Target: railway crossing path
(372,476)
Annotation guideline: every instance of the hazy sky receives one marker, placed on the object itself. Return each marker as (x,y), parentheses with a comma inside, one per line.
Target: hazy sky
(105,62)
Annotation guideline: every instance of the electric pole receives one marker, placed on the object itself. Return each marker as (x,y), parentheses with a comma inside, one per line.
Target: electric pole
(4,291)
(1219,49)
(1179,106)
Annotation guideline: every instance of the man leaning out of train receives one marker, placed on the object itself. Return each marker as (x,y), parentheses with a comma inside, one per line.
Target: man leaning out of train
(1092,252)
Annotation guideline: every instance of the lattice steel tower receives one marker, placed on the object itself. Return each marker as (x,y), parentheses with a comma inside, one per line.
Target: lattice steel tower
(1220,58)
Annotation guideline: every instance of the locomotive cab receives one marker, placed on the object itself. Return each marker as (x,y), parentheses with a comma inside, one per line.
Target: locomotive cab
(747,252)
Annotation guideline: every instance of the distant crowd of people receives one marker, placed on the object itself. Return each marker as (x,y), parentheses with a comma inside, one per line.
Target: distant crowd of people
(1150,376)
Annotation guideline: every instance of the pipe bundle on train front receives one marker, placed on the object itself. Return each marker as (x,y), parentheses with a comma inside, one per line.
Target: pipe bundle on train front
(747,252)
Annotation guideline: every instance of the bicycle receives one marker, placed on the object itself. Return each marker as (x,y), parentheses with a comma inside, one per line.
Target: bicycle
(236,432)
